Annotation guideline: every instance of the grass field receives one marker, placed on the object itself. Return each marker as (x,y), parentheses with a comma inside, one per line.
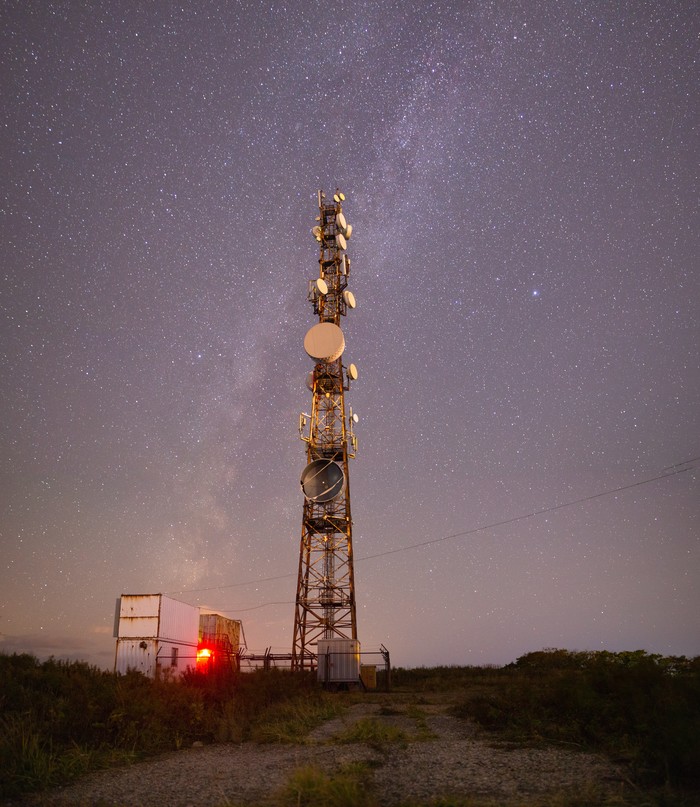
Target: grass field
(59,720)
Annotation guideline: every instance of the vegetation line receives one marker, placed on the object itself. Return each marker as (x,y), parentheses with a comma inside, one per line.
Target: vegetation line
(59,720)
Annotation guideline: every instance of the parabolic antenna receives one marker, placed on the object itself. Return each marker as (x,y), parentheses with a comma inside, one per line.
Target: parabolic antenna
(348,231)
(352,372)
(349,298)
(355,419)
(340,241)
(336,198)
(324,342)
(322,286)
(310,380)
(340,221)
(341,195)
(316,232)
(322,480)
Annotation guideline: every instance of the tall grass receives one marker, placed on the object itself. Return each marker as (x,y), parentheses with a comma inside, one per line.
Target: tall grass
(374,733)
(60,719)
(311,787)
(291,721)
(639,708)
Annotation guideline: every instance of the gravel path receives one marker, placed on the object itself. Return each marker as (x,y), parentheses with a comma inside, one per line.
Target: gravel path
(445,756)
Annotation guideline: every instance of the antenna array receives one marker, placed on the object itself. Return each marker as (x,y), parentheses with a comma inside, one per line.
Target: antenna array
(325,599)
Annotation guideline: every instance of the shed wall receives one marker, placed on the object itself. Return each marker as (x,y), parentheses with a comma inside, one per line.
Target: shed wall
(155,615)
(220,629)
(131,656)
(178,621)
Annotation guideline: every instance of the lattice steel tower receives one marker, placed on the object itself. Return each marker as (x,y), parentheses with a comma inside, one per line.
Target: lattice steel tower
(325,600)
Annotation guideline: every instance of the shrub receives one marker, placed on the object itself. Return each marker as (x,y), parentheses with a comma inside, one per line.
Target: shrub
(632,705)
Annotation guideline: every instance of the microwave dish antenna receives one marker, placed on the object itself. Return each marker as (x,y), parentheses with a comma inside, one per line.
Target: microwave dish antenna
(322,481)
(324,342)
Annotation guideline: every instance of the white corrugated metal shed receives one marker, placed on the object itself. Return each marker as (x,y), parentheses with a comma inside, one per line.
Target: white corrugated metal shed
(154,633)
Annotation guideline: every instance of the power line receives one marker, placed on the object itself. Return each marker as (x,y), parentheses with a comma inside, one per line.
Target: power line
(680,464)
(254,607)
(681,468)
(527,515)
(231,585)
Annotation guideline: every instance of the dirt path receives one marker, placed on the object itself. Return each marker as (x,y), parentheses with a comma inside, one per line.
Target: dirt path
(440,755)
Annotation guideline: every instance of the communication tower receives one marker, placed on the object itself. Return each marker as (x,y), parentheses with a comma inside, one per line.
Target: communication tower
(325,599)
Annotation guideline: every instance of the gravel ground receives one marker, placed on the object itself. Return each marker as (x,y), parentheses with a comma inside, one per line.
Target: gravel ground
(445,757)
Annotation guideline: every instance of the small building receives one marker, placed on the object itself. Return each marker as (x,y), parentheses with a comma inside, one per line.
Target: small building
(338,662)
(219,642)
(158,635)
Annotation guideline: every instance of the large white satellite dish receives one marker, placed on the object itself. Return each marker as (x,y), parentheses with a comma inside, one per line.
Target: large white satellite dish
(340,241)
(352,372)
(340,221)
(348,231)
(324,342)
(349,298)
(322,286)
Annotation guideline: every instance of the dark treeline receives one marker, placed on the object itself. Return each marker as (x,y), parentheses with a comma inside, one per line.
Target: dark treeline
(61,719)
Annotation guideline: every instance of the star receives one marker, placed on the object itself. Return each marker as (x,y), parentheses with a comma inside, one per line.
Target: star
(160,176)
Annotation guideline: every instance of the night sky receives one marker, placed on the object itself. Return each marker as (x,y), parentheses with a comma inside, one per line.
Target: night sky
(521,178)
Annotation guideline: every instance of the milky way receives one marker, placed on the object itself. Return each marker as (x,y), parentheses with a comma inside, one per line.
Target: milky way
(522,183)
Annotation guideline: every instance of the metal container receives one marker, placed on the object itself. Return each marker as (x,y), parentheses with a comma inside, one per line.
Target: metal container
(156,633)
(178,621)
(221,637)
(338,661)
(368,674)
(220,629)
(139,615)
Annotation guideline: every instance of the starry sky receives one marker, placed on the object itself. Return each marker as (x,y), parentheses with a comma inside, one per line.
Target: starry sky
(521,178)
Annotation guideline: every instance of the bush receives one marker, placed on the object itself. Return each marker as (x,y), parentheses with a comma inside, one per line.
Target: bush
(631,705)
